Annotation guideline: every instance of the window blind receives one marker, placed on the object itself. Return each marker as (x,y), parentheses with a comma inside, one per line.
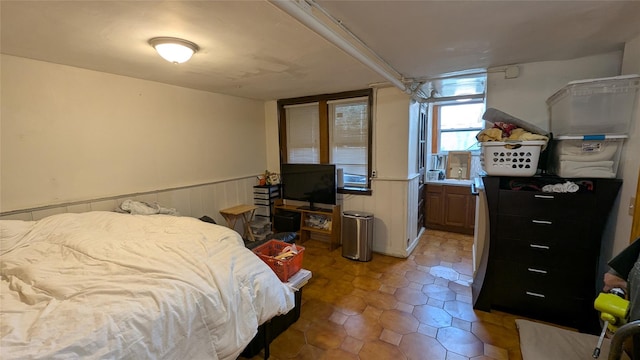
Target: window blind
(303,138)
(349,138)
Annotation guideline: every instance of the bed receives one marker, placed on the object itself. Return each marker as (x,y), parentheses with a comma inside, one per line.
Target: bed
(107,285)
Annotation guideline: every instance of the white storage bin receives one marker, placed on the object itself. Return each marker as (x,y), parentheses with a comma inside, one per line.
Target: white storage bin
(260,226)
(262,236)
(594,107)
(585,157)
(517,158)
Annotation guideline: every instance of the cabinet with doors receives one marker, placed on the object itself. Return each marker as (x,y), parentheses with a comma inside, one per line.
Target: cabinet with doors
(450,208)
(543,249)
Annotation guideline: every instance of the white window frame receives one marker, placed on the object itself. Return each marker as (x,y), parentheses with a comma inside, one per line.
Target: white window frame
(439,105)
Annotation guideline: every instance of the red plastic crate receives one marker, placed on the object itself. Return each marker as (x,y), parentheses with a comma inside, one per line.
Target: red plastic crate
(283,268)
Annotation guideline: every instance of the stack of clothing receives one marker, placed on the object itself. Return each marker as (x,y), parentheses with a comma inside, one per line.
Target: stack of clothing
(509,128)
(502,131)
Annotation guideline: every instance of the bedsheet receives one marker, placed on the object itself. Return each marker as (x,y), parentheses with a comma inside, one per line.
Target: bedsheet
(106,285)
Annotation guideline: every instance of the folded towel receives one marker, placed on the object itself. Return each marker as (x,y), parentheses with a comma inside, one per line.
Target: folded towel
(598,169)
(586,151)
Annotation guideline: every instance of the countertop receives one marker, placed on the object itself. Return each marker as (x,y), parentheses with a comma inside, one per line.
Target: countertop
(475,184)
(453,182)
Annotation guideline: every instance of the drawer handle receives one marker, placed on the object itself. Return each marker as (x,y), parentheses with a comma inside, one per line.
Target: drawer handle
(537,271)
(545,222)
(535,246)
(544,196)
(535,294)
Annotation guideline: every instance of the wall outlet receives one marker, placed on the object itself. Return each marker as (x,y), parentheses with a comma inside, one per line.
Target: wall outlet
(373,173)
(632,205)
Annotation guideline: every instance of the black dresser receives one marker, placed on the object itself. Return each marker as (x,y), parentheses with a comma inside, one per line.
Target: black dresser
(541,260)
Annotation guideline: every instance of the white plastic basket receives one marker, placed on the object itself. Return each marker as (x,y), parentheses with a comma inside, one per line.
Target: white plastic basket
(518,158)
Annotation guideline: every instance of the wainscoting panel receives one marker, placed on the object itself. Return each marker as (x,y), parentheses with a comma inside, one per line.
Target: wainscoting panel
(195,201)
(394,233)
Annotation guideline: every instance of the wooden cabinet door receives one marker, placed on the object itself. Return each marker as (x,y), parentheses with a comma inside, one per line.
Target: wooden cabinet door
(455,208)
(471,212)
(434,204)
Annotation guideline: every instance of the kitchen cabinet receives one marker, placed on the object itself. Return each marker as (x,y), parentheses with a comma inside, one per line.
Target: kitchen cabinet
(450,208)
(543,249)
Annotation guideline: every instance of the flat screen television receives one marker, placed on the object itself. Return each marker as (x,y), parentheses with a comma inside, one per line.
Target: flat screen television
(313,183)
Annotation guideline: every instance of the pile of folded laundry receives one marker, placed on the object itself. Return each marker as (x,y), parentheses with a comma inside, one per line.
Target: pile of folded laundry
(502,131)
(509,128)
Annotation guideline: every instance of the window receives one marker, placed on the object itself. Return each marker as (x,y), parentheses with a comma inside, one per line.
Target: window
(458,123)
(330,129)
(349,139)
(303,134)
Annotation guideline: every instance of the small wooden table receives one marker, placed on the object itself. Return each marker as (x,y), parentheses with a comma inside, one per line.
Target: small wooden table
(244,212)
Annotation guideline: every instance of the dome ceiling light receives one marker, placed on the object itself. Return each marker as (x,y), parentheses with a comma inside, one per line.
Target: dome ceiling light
(174,50)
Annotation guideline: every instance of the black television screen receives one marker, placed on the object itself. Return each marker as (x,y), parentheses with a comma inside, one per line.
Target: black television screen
(313,183)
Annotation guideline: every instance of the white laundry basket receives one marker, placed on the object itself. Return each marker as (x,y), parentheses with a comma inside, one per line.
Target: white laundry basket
(513,158)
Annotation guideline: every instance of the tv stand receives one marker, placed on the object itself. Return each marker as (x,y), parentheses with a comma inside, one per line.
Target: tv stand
(308,231)
(314,208)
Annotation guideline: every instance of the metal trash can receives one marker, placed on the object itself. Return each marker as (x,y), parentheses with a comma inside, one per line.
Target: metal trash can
(357,235)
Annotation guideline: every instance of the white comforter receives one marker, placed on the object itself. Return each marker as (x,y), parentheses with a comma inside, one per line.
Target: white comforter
(104,285)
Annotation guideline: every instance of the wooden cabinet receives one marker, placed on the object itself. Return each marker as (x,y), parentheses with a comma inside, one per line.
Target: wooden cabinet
(543,249)
(450,208)
(323,225)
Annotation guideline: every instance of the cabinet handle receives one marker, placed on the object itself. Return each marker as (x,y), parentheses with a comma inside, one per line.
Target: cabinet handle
(545,222)
(535,246)
(535,294)
(544,196)
(537,271)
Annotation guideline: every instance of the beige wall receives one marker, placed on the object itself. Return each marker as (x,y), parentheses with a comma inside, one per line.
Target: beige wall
(70,134)
(525,96)
(390,136)
(630,162)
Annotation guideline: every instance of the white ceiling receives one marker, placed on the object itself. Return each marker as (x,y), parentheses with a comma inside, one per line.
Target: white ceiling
(253,49)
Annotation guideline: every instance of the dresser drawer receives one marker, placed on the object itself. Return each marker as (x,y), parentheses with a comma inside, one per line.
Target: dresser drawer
(537,254)
(543,230)
(261,202)
(556,306)
(549,205)
(540,278)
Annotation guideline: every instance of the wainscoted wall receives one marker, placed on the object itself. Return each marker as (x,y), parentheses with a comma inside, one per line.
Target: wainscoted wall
(393,207)
(195,201)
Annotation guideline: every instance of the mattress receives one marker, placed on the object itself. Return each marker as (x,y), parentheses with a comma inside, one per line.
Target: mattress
(106,285)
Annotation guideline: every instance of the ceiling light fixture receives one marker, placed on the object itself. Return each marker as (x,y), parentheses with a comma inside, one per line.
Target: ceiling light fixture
(174,50)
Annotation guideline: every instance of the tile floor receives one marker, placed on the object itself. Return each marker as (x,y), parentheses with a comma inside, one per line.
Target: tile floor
(390,308)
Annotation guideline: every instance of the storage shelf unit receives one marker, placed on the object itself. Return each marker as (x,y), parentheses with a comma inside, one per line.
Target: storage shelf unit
(542,256)
(333,217)
(264,196)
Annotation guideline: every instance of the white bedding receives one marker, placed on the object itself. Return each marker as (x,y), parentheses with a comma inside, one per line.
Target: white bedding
(107,285)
